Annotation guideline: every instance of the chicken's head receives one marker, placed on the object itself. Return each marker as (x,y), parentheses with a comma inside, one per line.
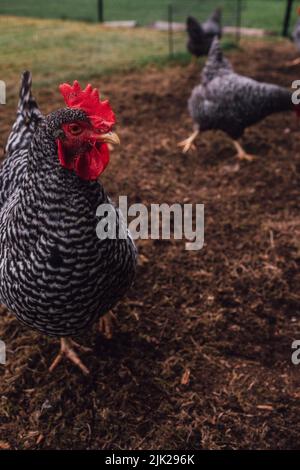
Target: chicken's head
(83,144)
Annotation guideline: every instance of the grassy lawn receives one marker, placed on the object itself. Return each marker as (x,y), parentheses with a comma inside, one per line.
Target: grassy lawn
(257,13)
(56,50)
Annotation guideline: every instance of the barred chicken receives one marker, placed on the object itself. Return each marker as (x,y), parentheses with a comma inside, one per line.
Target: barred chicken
(56,275)
(296,39)
(201,35)
(296,32)
(230,102)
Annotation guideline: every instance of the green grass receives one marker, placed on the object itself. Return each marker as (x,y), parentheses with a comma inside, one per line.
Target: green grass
(56,50)
(62,50)
(256,13)
(63,9)
(266,14)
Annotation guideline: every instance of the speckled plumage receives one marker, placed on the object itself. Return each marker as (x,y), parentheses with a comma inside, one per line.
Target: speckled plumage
(55,274)
(201,35)
(230,102)
(296,35)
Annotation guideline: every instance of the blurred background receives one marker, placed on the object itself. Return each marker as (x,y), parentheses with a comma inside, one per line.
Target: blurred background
(136,32)
(253,14)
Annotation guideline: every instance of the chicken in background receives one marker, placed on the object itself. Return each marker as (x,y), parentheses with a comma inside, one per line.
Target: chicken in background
(201,35)
(231,102)
(56,275)
(296,39)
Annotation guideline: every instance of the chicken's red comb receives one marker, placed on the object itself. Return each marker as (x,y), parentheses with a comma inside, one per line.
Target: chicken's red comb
(99,112)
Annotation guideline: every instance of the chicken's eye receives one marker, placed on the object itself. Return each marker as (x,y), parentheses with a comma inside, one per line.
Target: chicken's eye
(75,129)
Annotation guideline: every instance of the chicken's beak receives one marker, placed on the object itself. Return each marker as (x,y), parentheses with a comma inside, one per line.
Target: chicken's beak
(109,138)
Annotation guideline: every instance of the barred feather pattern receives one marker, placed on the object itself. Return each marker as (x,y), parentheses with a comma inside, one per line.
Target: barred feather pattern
(230,102)
(296,35)
(28,117)
(27,120)
(55,274)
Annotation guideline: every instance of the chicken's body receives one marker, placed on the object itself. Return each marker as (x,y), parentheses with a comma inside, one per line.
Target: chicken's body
(56,275)
(296,35)
(231,102)
(201,35)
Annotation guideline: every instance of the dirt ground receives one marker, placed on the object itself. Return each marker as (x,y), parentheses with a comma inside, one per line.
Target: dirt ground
(201,356)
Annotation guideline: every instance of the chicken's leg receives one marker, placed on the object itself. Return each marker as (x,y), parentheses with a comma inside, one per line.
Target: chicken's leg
(293,63)
(106,325)
(188,143)
(69,352)
(241,153)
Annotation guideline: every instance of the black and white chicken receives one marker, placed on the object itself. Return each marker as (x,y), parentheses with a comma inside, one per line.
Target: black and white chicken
(56,275)
(201,35)
(231,102)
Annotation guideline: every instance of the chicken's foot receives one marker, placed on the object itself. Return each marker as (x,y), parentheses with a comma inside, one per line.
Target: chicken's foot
(188,143)
(106,324)
(242,154)
(67,348)
(293,63)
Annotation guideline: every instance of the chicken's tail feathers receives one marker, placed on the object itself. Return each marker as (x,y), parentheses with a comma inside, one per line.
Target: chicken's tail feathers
(28,117)
(194,29)
(27,105)
(216,62)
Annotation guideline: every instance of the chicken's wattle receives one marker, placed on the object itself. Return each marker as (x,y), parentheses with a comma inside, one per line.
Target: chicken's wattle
(87,165)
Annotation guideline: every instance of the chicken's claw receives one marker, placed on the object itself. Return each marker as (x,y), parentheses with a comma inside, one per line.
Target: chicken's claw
(246,156)
(242,154)
(188,143)
(293,63)
(106,325)
(67,350)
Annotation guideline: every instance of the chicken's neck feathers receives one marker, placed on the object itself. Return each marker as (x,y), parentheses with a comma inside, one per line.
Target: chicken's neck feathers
(216,65)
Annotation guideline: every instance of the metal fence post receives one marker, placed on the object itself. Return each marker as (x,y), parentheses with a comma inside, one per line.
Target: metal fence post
(100,11)
(170,30)
(287,18)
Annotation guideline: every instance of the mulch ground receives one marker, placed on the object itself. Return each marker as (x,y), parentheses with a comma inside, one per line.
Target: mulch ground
(201,356)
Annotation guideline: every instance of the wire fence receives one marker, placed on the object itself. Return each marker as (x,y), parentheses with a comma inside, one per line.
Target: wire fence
(83,10)
(265,14)
(147,12)
(85,49)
